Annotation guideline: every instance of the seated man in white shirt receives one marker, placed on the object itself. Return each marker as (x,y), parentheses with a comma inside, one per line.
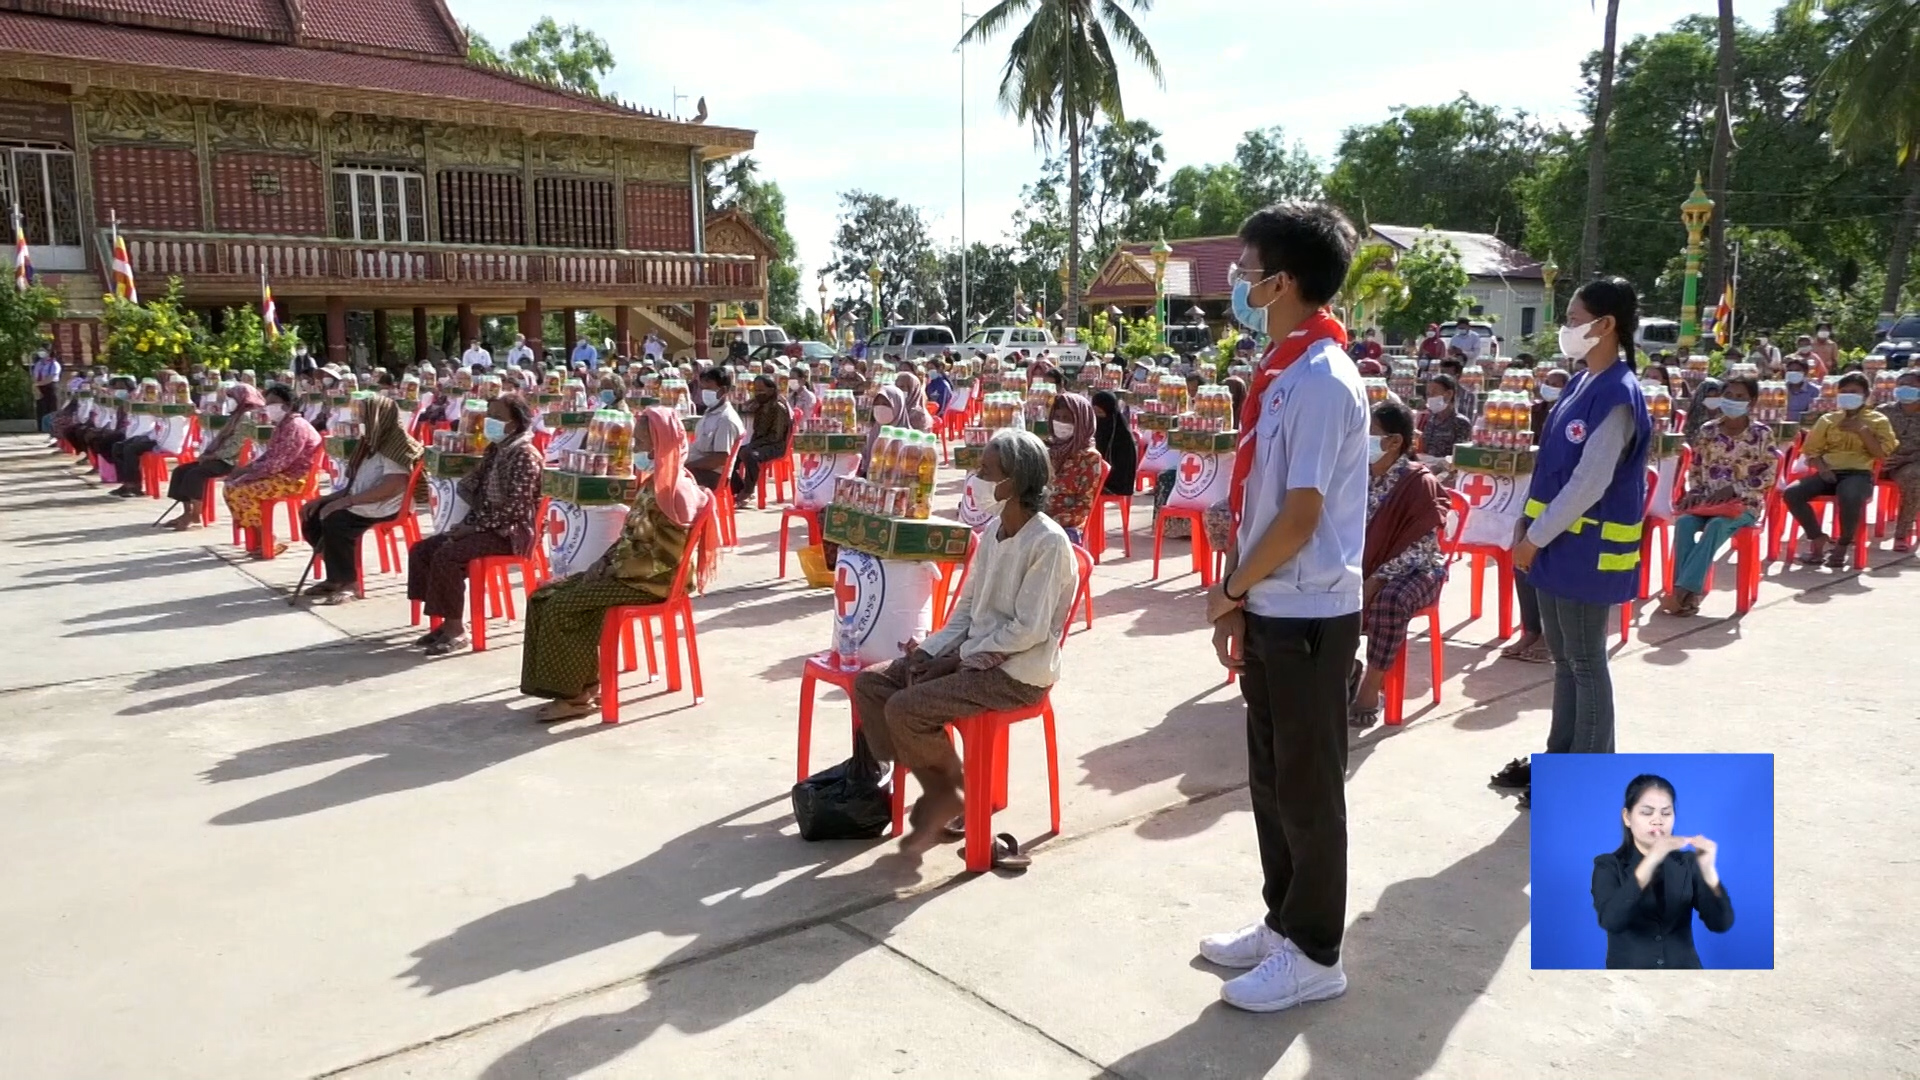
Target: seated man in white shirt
(476,358)
(1000,648)
(719,431)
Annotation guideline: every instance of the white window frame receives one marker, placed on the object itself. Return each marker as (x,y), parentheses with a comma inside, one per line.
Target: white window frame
(46,256)
(354,172)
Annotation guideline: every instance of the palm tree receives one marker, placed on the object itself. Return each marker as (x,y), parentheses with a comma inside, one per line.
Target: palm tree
(1597,149)
(1060,73)
(1373,288)
(1875,80)
(1717,166)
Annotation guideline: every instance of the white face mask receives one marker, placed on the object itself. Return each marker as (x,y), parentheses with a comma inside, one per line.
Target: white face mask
(275,412)
(1436,404)
(984,499)
(1550,393)
(1376,448)
(642,461)
(1823,335)
(1062,429)
(1575,341)
(709,398)
(1712,403)
(1849,402)
(883,414)
(1796,377)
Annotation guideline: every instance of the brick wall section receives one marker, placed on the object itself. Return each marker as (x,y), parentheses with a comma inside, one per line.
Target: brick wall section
(150,187)
(659,216)
(36,121)
(297,208)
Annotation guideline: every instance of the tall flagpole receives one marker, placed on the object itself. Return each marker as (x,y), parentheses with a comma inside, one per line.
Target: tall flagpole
(965,308)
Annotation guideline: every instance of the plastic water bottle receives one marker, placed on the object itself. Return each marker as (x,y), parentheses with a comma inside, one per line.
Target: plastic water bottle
(847,645)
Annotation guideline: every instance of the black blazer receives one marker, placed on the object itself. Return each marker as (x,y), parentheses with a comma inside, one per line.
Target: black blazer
(1642,934)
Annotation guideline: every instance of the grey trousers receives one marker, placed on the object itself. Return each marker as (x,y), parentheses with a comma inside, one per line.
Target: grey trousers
(908,723)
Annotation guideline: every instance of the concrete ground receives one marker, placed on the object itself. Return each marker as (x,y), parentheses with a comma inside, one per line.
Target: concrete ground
(253,841)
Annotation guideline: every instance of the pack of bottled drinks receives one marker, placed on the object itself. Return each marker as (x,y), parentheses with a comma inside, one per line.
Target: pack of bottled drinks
(900,475)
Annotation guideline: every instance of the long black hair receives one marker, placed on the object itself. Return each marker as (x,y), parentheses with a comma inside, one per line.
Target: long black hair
(1637,787)
(1614,296)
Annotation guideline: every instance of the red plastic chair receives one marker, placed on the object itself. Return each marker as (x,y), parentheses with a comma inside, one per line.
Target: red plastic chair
(1143,480)
(780,471)
(1662,526)
(293,504)
(1828,510)
(617,646)
(389,536)
(984,739)
(1887,514)
(1648,523)
(207,503)
(1394,686)
(787,518)
(1083,595)
(953,577)
(1202,548)
(153,463)
(724,504)
(1478,556)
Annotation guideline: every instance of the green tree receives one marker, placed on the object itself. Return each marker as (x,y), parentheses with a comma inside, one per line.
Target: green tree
(739,187)
(1061,72)
(161,334)
(1875,80)
(23,318)
(875,230)
(1373,289)
(1271,171)
(1454,166)
(1780,284)
(1718,172)
(242,344)
(993,271)
(574,57)
(1434,280)
(1124,166)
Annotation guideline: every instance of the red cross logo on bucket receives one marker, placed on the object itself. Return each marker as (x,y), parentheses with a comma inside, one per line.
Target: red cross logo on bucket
(1478,488)
(845,592)
(809,463)
(1190,467)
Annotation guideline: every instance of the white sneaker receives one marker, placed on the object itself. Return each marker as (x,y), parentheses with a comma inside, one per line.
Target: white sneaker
(1242,949)
(1284,979)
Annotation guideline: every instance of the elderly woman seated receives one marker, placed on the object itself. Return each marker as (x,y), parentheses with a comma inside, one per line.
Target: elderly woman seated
(1000,648)
(561,660)
(1403,565)
(188,487)
(377,477)
(278,472)
(502,495)
(1076,464)
(1727,487)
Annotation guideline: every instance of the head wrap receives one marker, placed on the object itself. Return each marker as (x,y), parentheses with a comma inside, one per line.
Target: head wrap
(1085,423)
(679,496)
(246,398)
(384,435)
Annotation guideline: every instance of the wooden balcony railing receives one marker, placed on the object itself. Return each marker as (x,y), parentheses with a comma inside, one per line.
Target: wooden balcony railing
(308,264)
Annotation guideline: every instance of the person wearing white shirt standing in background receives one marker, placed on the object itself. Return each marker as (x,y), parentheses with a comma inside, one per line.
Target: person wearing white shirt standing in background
(1287,613)
(476,358)
(1465,339)
(1000,647)
(521,354)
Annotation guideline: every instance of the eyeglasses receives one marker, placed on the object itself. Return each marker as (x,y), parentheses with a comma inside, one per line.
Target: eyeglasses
(1251,275)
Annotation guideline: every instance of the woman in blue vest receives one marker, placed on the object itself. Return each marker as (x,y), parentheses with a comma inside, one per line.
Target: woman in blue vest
(1586,508)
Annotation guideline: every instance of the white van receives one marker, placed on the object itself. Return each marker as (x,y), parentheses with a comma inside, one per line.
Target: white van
(897,343)
(1656,336)
(755,336)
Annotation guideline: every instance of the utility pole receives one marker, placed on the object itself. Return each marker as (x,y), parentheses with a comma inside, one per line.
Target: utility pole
(965,306)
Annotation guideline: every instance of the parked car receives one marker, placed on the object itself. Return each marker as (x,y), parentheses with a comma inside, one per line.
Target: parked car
(810,351)
(1484,329)
(1189,338)
(720,337)
(1070,356)
(1657,336)
(897,343)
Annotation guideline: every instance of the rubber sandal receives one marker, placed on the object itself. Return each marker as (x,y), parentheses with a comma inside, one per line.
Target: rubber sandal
(447,645)
(555,711)
(955,829)
(1362,719)
(1007,854)
(427,638)
(1836,559)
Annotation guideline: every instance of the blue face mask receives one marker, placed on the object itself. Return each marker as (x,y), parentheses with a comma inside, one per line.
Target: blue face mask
(608,397)
(1733,409)
(1906,395)
(1253,318)
(496,429)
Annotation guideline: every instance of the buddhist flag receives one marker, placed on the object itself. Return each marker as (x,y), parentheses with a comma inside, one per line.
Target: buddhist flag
(1723,319)
(123,286)
(269,314)
(22,260)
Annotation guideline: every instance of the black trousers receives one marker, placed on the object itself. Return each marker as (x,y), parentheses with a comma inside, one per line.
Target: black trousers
(1297,691)
(189,482)
(746,467)
(337,538)
(706,478)
(126,460)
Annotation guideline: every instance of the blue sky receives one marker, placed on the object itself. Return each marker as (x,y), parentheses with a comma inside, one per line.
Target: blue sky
(866,93)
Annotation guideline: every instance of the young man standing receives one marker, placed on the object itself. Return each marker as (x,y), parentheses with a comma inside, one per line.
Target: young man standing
(1287,614)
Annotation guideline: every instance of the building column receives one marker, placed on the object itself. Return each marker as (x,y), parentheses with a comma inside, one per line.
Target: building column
(469,325)
(702,313)
(337,330)
(419,335)
(623,331)
(382,337)
(569,329)
(531,321)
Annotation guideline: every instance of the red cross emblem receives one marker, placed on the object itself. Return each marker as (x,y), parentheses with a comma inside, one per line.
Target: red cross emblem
(1478,488)
(809,463)
(1190,467)
(844,592)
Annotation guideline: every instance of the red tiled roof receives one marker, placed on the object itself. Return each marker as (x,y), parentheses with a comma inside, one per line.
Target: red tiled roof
(220,56)
(414,25)
(1208,256)
(268,19)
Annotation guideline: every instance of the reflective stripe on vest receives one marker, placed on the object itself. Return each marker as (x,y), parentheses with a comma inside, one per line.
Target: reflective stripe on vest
(1611,532)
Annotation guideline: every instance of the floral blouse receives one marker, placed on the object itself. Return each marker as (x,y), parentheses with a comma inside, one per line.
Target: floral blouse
(1440,433)
(1906,428)
(1423,556)
(504,492)
(1744,462)
(1074,487)
(289,453)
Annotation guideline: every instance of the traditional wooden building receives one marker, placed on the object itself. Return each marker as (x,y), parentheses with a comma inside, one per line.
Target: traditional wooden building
(350,151)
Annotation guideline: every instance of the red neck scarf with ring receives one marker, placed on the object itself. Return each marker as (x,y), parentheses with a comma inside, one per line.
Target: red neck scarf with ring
(1321,325)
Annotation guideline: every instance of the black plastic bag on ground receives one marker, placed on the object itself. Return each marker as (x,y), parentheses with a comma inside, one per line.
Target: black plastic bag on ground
(850,801)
